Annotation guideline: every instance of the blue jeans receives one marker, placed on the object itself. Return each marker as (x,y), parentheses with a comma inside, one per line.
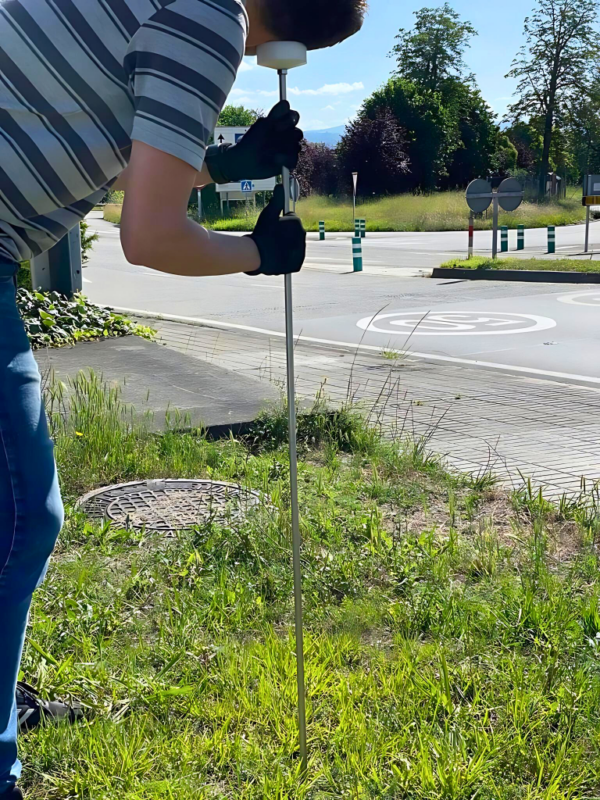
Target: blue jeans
(31,513)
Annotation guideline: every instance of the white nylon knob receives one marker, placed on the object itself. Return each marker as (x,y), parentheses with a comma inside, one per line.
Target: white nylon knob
(282,55)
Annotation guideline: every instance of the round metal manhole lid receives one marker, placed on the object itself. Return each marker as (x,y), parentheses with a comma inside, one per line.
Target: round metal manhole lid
(169,505)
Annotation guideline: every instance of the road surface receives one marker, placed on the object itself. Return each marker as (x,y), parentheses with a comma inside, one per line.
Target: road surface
(538,329)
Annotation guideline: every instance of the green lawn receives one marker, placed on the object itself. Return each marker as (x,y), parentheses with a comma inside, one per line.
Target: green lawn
(444,211)
(453,632)
(546,264)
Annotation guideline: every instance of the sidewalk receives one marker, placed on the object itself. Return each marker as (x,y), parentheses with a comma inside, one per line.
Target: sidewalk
(478,420)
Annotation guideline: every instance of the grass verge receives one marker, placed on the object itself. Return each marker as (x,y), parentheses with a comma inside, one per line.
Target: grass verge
(453,633)
(445,211)
(546,264)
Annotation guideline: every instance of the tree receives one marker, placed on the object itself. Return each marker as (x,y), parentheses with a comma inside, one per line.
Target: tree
(430,137)
(480,148)
(238,117)
(376,149)
(527,139)
(584,133)
(556,66)
(433,51)
(317,169)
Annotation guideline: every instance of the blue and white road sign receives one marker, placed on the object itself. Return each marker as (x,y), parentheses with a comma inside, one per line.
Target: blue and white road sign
(247,186)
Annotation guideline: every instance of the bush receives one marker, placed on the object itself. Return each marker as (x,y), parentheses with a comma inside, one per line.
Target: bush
(51,320)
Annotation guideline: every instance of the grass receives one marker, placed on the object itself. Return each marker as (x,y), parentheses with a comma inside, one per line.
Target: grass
(550,265)
(452,632)
(445,211)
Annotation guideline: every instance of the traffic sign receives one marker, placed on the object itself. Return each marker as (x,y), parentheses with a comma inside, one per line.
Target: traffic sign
(591,200)
(247,187)
(593,187)
(479,195)
(510,194)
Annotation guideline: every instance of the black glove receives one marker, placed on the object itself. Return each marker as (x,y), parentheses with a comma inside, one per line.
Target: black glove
(271,143)
(281,241)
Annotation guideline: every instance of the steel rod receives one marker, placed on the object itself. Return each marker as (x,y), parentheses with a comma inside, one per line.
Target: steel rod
(296,535)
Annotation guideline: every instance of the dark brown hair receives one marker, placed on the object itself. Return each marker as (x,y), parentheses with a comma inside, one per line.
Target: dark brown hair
(315,23)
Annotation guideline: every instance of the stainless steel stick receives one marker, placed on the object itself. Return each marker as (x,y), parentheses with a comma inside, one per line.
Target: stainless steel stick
(296,535)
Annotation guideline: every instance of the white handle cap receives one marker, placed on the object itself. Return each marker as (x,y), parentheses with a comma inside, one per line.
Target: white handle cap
(282,55)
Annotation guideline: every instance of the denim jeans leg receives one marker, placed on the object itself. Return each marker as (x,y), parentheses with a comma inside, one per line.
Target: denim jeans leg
(31,511)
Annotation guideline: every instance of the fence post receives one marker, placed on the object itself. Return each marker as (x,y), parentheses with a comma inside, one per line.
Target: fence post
(504,239)
(551,239)
(321,231)
(521,237)
(363,228)
(357,254)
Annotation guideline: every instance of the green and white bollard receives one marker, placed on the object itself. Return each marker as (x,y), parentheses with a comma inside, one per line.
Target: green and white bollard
(357,229)
(363,228)
(504,239)
(357,254)
(521,237)
(551,239)
(321,231)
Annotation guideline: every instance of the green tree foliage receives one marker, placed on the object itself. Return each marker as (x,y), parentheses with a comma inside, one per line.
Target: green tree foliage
(430,137)
(584,132)
(556,67)
(238,117)
(528,141)
(433,50)
(480,147)
(376,149)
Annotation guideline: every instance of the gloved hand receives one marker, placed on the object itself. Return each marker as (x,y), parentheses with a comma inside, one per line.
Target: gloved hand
(281,241)
(271,143)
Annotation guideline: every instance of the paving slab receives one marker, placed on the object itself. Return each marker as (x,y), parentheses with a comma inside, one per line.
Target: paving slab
(513,425)
(157,379)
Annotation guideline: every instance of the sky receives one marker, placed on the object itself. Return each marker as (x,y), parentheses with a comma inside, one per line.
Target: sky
(331,88)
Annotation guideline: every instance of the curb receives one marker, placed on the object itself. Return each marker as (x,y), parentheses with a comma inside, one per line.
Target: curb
(523,276)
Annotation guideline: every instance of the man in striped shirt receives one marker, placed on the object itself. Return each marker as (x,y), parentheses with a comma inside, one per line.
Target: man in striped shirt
(91,92)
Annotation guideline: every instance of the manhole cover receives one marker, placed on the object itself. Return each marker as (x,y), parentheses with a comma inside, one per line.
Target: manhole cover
(169,505)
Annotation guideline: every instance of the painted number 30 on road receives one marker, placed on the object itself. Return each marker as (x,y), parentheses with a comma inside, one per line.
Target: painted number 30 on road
(454,323)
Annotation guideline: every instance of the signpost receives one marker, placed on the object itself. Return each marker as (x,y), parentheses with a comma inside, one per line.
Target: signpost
(509,197)
(591,197)
(247,187)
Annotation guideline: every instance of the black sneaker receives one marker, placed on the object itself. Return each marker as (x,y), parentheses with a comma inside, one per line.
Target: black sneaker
(31,710)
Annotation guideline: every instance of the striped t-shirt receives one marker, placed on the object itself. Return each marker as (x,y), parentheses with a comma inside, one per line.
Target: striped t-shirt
(79,79)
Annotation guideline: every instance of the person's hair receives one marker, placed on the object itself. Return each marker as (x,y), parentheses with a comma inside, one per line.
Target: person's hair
(315,23)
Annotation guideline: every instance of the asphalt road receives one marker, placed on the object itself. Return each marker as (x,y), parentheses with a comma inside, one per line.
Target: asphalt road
(537,329)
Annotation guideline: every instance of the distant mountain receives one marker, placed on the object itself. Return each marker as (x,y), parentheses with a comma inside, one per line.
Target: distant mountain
(329,136)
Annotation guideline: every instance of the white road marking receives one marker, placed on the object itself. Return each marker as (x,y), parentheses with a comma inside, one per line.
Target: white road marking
(211,323)
(454,323)
(579,298)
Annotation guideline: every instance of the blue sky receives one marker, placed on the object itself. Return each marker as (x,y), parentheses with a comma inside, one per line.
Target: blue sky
(329,90)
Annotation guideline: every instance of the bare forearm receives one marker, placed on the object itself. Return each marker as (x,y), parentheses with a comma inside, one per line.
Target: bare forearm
(189,249)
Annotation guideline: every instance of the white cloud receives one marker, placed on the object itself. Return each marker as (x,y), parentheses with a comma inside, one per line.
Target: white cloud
(330,89)
(328,108)
(245,66)
(333,89)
